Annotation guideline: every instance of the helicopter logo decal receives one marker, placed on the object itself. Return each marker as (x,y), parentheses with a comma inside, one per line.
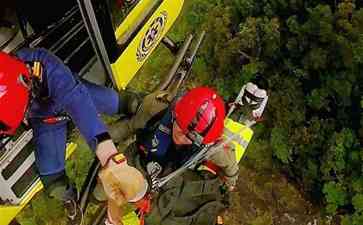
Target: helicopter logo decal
(151,36)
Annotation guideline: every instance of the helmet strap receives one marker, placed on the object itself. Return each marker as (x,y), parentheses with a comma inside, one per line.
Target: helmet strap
(196,138)
(22,79)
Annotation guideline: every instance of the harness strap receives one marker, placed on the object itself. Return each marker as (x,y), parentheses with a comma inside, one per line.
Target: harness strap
(212,167)
(39,84)
(143,207)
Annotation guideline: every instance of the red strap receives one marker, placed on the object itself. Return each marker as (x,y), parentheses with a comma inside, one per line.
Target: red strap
(212,166)
(142,218)
(50,120)
(54,119)
(142,150)
(144,207)
(216,169)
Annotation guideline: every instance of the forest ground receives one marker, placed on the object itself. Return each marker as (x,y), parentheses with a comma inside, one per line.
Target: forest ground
(268,198)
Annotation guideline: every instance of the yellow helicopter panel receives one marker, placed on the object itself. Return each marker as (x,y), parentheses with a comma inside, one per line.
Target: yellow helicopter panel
(9,212)
(146,39)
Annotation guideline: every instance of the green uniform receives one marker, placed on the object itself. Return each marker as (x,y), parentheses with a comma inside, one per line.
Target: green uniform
(153,104)
(196,197)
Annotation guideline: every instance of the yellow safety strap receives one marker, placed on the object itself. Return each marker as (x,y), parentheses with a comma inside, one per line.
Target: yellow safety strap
(37,70)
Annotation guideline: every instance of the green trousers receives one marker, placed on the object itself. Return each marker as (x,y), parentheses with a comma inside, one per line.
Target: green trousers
(193,198)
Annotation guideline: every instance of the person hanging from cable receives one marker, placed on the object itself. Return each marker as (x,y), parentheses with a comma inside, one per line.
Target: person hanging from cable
(253,98)
(169,131)
(39,90)
(256,98)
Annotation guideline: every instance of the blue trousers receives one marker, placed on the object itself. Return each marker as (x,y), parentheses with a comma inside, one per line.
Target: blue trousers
(50,139)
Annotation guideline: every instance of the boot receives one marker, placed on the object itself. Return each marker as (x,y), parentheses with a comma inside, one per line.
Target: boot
(59,187)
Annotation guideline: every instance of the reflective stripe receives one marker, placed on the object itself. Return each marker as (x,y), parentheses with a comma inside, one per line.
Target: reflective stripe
(164,129)
(241,136)
(37,70)
(236,138)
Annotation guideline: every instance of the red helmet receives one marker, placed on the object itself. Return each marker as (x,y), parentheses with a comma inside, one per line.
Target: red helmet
(200,114)
(14,92)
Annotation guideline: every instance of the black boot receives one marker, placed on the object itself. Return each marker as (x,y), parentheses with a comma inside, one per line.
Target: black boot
(59,187)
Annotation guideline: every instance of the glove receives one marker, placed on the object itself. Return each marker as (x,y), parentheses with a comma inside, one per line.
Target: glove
(114,214)
(105,150)
(120,181)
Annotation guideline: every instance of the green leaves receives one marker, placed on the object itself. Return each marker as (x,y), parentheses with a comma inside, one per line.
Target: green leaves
(335,196)
(245,7)
(334,163)
(316,59)
(318,99)
(320,23)
(279,144)
(358,50)
(358,202)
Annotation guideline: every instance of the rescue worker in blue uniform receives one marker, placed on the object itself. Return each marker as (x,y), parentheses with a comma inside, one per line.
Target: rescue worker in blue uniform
(37,88)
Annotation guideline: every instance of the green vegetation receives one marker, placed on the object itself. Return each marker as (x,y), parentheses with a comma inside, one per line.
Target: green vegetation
(310,55)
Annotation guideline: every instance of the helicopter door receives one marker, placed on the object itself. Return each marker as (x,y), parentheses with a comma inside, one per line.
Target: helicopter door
(125,32)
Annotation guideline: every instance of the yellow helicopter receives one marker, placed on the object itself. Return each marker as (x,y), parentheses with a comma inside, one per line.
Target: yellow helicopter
(119,35)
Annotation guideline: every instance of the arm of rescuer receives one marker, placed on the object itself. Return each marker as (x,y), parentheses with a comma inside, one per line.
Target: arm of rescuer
(226,160)
(70,95)
(151,105)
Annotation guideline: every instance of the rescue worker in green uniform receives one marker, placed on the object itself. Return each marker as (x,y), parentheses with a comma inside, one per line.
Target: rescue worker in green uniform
(169,130)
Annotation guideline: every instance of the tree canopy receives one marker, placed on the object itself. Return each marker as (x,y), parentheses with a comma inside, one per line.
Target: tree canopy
(310,55)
